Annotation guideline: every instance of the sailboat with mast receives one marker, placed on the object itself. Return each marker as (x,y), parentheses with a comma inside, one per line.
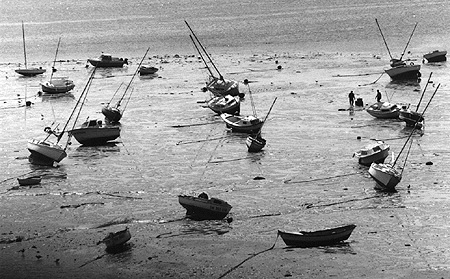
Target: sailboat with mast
(57,85)
(217,85)
(113,114)
(28,72)
(45,151)
(387,176)
(413,118)
(400,70)
(256,142)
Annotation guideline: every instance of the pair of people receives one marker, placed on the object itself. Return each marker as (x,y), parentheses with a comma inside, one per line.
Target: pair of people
(351,97)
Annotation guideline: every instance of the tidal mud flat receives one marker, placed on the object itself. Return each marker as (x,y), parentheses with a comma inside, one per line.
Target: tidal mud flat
(171,144)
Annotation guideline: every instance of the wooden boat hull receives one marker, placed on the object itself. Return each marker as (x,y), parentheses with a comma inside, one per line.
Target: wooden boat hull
(147,70)
(404,72)
(111,114)
(246,124)
(92,136)
(46,149)
(436,56)
(384,110)
(204,209)
(317,238)
(29,181)
(117,239)
(225,104)
(30,72)
(57,85)
(255,144)
(385,176)
(411,118)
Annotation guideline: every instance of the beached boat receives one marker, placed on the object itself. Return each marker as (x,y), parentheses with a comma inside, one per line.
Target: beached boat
(57,85)
(203,207)
(436,56)
(46,149)
(384,110)
(93,132)
(28,72)
(242,124)
(373,153)
(29,181)
(255,143)
(400,70)
(317,238)
(117,239)
(147,70)
(411,118)
(385,175)
(114,113)
(217,84)
(108,61)
(225,104)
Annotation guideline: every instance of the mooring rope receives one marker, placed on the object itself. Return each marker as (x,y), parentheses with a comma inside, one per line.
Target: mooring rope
(324,178)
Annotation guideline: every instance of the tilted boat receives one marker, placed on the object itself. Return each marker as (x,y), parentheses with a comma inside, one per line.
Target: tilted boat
(45,149)
(113,114)
(57,85)
(218,86)
(436,56)
(384,110)
(373,153)
(400,70)
(108,61)
(28,72)
(325,237)
(255,143)
(117,239)
(147,70)
(203,207)
(225,104)
(29,181)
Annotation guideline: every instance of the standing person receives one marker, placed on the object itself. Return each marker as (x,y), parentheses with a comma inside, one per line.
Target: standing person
(378,97)
(351,98)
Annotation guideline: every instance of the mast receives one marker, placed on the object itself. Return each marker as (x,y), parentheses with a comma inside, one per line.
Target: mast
(384,39)
(267,115)
(24,49)
(54,60)
(408,41)
(199,52)
(423,93)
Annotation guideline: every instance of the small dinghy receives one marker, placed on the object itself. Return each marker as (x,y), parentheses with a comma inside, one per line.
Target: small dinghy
(373,153)
(29,181)
(117,239)
(317,238)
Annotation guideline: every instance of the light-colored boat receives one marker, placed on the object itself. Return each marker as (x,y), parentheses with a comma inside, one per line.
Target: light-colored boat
(203,207)
(384,110)
(242,124)
(117,239)
(325,237)
(147,70)
(386,176)
(411,118)
(436,56)
(28,72)
(93,132)
(225,104)
(107,61)
(373,153)
(47,149)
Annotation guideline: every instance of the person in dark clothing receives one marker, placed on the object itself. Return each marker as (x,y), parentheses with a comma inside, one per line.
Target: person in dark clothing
(351,98)
(378,97)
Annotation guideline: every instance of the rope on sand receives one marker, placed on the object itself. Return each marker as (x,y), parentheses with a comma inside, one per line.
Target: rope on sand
(374,81)
(318,179)
(88,262)
(252,256)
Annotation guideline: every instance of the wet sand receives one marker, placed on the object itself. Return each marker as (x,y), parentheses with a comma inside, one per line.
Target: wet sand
(311,180)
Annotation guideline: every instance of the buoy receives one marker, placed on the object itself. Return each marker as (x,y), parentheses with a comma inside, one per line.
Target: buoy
(245,81)
(429,163)
(358,137)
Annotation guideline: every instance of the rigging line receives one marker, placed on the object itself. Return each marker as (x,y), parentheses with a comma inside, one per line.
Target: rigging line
(203,59)
(383,38)
(251,101)
(128,100)
(423,93)
(267,115)
(204,50)
(115,94)
(406,157)
(54,60)
(403,53)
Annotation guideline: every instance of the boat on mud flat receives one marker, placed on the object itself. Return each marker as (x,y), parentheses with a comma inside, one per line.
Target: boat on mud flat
(386,176)
(147,70)
(436,56)
(29,181)
(28,72)
(93,132)
(108,61)
(411,118)
(317,238)
(57,85)
(384,110)
(255,143)
(225,104)
(117,239)
(373,153)
(203,207)
(242,124)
